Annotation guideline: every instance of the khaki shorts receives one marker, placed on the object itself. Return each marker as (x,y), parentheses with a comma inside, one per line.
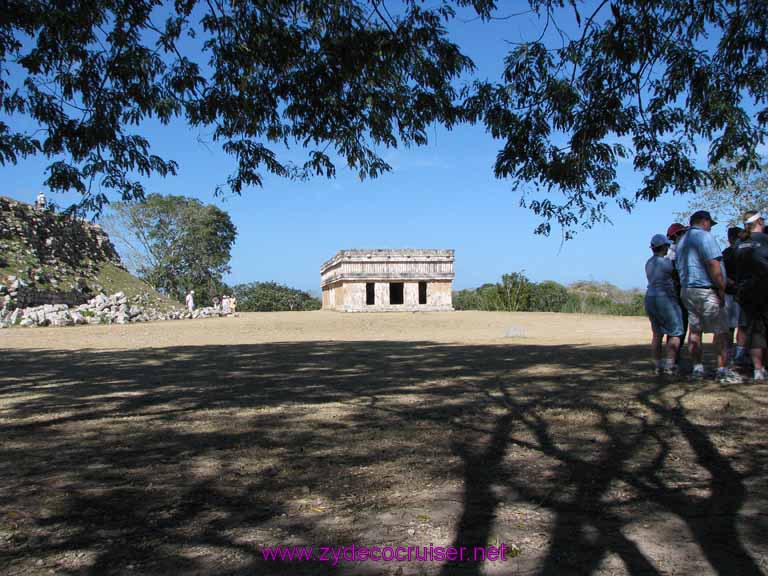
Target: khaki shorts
(704,311)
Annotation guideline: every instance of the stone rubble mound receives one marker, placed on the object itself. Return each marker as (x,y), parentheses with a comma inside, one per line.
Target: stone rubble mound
(45,255)
(114,309)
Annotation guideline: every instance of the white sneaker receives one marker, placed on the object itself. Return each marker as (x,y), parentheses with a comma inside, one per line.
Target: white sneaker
(698,374)
(760,376)
(728,376)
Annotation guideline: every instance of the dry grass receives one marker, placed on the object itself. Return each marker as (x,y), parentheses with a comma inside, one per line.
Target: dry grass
(182,448)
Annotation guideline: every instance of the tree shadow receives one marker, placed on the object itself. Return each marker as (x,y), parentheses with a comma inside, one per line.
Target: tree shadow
(190,459)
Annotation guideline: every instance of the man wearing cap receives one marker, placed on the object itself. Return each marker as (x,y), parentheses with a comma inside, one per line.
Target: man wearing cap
(752,293)
(703,280)
(662,306)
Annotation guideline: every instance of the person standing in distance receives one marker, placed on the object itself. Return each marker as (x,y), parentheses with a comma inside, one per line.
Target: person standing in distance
(189,300)
(40,201)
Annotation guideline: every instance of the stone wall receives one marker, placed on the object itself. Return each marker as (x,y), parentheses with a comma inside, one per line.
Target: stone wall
(351,297)
(54,238)
(33,297)
(440,294)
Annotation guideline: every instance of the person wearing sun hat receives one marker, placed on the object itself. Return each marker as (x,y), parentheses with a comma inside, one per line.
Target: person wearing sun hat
(752,292)
(703,281)
(662,306)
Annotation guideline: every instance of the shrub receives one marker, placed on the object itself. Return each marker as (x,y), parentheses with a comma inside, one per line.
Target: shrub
(273,297)
(466,300)
(548,296)
(516,294)
(515,291)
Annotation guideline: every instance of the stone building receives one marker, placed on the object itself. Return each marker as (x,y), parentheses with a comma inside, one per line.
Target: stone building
(388,280)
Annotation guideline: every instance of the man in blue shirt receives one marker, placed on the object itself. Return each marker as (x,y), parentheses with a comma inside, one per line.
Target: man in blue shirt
(699,264)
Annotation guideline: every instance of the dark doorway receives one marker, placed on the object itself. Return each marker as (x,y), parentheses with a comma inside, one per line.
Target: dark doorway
(422,292)
(370,293)
(395,292)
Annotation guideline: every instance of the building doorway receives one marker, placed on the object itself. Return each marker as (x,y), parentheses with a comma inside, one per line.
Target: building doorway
(395,292)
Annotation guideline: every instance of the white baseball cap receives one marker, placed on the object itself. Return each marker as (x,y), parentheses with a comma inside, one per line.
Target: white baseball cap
(754,218)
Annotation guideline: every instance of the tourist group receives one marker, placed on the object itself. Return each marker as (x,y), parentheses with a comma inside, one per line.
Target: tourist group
(695,288)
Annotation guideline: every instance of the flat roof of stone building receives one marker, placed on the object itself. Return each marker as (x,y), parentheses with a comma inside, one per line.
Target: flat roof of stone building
(388,254)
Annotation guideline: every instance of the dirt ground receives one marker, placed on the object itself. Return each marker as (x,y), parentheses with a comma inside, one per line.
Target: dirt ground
(185,447)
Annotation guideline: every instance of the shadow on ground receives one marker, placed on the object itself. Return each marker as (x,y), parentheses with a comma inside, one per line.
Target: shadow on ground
(187,460)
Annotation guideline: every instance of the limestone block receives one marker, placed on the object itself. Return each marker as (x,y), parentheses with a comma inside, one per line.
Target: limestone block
(354,295)
(381,294)
(61,319)
(439,294)
(411,293)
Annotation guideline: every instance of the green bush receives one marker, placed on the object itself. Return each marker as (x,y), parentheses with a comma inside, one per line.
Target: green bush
(466,300)
(548,296)
(273,297)
(516,293)
(580,303)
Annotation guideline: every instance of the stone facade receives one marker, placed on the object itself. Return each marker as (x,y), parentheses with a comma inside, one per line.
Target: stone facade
(388,280)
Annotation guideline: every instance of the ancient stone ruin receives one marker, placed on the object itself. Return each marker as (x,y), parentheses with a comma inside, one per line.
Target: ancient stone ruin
(103,309)
(51,270)
(47,257)
(388,280)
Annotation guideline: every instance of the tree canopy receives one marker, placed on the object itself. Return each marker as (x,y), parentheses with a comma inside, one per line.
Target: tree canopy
(643,82)
(748,190)
(175,243)
(650,81)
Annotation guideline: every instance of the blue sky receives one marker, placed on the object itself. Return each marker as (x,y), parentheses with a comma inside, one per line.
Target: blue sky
(442,195)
